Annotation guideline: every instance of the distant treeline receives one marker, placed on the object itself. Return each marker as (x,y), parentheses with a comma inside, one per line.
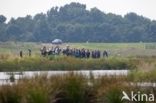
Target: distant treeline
(74,23)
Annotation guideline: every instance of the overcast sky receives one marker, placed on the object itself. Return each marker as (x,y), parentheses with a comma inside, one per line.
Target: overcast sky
(20,8)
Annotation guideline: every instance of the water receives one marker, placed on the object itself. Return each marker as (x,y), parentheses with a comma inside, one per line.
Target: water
(5,76)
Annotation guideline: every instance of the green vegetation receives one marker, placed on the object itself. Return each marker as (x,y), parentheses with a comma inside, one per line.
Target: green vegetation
(13,48)
(37,62)
(68,88)
(74,23)
(121,56)
(109,45)
(114,49)
(143,76)
(11,63)
(76,88)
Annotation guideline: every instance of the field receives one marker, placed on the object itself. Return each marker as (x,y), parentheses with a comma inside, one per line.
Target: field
(114,49)
(121,56)
(139,58)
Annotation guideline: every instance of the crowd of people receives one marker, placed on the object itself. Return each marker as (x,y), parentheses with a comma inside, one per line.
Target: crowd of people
(78,53)
(51,51)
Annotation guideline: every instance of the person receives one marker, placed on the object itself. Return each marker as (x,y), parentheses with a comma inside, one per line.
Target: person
(83,53)
(98,54)
(43,51)
(56,50)
(29,50)
(67,50)
(64,51)
(87,54)
(105,54)
(77,53)
(21,53)
(93,54)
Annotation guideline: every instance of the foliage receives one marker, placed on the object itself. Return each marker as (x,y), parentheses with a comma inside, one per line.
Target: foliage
(74,23)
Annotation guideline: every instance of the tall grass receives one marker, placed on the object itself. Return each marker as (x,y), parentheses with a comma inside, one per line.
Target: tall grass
(143,76)
(68,88)
(10,94)
(10,63)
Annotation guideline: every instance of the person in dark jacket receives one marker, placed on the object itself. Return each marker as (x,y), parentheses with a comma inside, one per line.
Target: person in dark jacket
(21,53)
(98,54)
(87,54)
(105,54)
(29,52)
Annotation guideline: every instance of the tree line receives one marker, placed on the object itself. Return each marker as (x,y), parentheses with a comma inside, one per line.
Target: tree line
(74,23)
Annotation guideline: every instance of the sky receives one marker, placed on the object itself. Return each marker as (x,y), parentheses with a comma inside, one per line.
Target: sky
(21,8)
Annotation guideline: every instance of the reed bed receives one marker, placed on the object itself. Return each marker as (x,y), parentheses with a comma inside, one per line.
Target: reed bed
(14,63)
(69,88)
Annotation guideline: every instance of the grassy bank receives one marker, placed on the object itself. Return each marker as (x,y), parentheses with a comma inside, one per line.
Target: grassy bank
(13,63)
(69,88)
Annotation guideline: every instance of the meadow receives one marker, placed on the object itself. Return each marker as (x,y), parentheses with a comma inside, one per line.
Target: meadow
(121,56)
(114,49)
(139,58)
